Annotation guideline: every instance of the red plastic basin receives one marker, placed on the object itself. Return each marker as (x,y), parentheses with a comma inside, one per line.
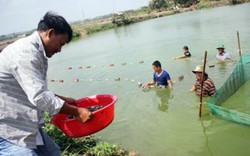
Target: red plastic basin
(102,117)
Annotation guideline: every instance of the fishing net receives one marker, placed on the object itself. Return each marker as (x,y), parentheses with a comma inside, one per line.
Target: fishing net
(231,101)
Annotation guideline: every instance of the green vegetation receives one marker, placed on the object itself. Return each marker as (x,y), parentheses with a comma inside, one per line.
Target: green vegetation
(158,4)
(87,146)
(76,34)
(90,29)
(155,9)
(105,149)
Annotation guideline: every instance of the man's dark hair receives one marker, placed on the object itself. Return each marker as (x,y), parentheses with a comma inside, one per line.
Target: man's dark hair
(185,47)
(56,22)
(156,64)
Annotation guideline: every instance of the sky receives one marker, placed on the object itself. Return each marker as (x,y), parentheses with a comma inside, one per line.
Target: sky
(23,15)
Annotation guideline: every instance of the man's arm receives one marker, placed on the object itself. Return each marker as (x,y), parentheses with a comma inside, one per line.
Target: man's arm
(170,84)
(69,100)
(149,84)
(179,57)
(81,114)
(193,89)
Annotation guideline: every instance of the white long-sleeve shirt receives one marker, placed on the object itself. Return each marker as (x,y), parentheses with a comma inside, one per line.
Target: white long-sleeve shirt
(24,94)
(223,56)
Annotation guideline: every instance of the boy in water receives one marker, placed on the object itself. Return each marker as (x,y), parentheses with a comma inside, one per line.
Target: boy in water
(160,77)
(185,55)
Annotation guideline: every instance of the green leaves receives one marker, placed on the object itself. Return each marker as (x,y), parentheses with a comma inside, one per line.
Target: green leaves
(106,149)
(86,146)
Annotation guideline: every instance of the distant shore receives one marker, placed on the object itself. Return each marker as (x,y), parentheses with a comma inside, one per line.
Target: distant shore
(85,29)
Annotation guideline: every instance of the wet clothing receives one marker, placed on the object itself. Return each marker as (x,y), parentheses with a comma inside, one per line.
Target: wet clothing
(24,94)
(208,88)
(187,54)
(161,79)
(223,56)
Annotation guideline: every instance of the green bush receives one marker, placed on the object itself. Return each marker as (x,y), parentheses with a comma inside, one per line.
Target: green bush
(158,4)
(105,149)
(76,34)
(86,146)
(69,146)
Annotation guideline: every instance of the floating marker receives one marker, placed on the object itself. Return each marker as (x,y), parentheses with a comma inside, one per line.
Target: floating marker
(118,79)
(76,80)
(61,81)
(139,84)
(181,77)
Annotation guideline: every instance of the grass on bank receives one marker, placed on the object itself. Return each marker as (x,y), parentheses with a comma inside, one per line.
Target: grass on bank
(85,146)
(145,13)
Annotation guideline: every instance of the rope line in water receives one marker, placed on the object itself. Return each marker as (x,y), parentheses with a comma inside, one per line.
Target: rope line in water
(94,66)
(76,80)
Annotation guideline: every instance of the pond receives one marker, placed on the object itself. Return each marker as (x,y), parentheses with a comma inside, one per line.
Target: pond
(158,122)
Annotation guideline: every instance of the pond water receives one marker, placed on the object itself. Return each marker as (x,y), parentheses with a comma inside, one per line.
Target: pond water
(239,100)
(158,122)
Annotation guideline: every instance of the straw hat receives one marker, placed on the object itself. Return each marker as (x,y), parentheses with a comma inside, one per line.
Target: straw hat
(198,69)
(221,46)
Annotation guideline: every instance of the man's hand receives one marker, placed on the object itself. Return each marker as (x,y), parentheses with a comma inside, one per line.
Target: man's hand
(81,114)
(145,85)
(84,115)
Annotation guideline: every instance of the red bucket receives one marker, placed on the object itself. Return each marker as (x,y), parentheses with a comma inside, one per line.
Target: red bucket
(102,117)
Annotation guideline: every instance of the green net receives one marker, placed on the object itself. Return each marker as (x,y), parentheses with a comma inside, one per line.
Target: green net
(231,101)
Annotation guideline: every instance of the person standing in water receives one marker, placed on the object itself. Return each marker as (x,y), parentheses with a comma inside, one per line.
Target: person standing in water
(186,53)
(208,84)
(161,77)
(222,54)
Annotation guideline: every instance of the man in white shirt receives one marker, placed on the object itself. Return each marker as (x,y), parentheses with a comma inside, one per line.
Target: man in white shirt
(222,54)
(24,94)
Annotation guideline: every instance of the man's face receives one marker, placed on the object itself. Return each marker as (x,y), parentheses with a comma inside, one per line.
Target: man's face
(198,76)
(156,69)
(221,50)
(54,43)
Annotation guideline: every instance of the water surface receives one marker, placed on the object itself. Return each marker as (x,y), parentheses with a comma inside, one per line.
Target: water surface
(158,122)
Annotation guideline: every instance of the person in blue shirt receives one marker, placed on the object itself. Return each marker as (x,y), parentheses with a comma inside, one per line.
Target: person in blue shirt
(161,77)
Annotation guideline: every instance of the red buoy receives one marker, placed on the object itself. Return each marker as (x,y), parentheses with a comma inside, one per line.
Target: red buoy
(61,81)
(76,80)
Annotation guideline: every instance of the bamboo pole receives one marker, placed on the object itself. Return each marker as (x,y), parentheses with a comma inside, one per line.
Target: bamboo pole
(238,37)
(202,82)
